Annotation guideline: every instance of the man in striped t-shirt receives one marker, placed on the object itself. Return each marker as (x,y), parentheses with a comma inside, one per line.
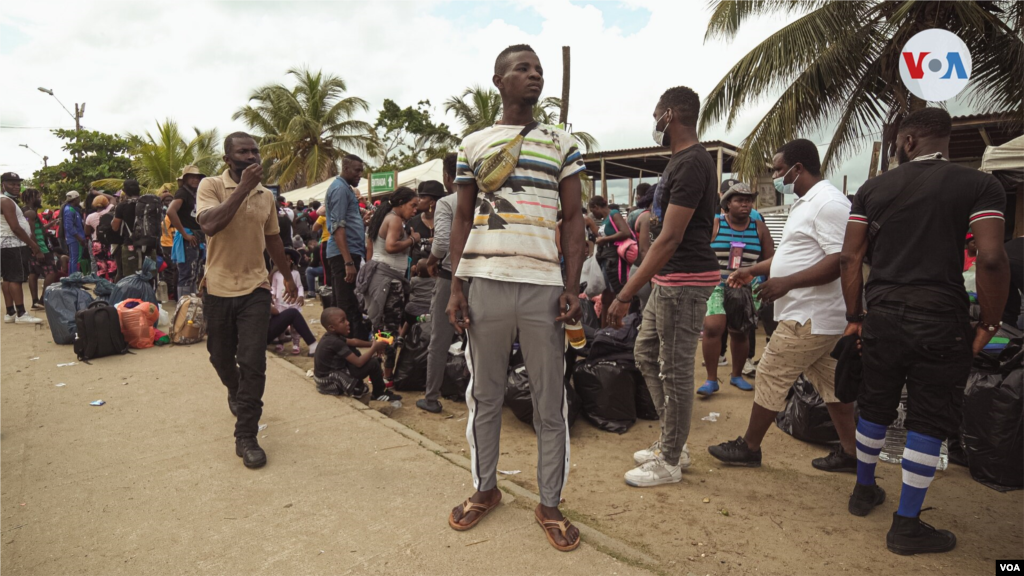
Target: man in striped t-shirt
(505,242)
(917,332)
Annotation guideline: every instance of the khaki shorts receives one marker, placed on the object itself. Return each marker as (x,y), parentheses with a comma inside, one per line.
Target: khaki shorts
(792,351)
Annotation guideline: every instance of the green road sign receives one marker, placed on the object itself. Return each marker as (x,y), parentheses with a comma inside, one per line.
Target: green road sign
(382,182)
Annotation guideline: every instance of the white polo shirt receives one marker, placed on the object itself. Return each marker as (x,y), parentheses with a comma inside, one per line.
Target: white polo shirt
(815,229)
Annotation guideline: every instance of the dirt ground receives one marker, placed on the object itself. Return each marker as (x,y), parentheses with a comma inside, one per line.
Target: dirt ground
(783,518)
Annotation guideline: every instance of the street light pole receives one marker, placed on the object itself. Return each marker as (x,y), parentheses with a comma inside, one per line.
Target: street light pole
(79,110)
(45,158)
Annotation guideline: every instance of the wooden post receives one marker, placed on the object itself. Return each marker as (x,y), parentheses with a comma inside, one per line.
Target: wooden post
(604,182)
(563,114)
(844,184)
(876,149)
(719,181)
(631,192)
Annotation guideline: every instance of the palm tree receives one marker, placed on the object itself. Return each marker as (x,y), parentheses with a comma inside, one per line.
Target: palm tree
(483,110)
(838,65)
(158,160)
(305,130)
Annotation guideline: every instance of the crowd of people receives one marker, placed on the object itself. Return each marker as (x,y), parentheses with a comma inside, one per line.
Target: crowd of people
(494,254)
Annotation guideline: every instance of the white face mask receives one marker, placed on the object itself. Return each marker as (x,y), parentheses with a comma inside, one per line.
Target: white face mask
(659,135)
(784,188)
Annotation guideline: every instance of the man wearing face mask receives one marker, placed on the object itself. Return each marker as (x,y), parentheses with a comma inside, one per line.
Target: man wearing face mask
(916,333)
(804,285)
(239,217)
(684,271)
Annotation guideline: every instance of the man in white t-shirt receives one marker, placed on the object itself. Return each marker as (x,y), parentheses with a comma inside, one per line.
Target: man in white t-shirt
(506,245)
(809,308)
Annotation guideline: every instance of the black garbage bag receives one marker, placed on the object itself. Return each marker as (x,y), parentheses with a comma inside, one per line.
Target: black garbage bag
(411,366)
(62,302)
(590,317)
(740,314)
(992,430)
(608,391)
(805,416)
(456,377)
(519,399)
(139,285)
(645,409)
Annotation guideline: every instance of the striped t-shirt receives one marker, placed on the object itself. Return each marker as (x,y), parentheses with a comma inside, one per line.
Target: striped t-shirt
(513,233)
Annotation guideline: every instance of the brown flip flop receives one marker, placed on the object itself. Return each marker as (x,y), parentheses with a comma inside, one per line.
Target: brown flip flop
(467,507)
(563,525)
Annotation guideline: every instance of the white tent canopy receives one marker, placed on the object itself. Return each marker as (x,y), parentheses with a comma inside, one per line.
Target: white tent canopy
(412,177)
(1009,156)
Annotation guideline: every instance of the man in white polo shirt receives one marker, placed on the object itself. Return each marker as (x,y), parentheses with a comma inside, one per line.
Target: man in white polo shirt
(809,307)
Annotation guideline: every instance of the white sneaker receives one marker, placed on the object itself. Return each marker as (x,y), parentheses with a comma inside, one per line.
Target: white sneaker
(723,361)
(748,368)
(27,318)
(9,318)
(654,473)
(646,455)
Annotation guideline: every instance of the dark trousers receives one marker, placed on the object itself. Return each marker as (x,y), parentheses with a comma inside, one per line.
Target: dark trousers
(290,317)
(345,293)
(374,371)
(237,330)
(929,353)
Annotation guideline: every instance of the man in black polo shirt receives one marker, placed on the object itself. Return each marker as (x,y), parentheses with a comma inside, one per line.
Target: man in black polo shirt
(916,332)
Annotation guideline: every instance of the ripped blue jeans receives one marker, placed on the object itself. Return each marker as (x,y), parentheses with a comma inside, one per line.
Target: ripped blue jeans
(665,350)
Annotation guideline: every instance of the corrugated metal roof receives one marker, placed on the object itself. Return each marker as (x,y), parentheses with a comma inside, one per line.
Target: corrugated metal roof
(654,150)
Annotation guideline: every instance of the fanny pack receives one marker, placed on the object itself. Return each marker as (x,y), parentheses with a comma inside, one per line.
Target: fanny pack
(497,167)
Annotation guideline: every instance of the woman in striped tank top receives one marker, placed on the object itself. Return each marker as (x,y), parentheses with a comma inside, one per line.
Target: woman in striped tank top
(738,241)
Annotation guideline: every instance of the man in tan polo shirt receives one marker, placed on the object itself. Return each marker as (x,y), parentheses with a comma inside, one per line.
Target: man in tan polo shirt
(239,218)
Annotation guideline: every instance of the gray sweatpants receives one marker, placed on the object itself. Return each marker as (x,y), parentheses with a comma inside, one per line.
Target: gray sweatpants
(664,351)
(497,310)
(441,334)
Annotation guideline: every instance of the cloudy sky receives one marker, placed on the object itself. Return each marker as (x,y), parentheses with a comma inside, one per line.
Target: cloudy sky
(135,63)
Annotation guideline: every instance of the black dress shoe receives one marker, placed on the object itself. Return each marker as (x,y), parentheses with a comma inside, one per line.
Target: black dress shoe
(248,449)
(909,536)
(837,461)
(432,406)
(865,498)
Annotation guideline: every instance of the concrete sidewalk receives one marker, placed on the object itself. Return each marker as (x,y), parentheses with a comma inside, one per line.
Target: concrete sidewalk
(149,483)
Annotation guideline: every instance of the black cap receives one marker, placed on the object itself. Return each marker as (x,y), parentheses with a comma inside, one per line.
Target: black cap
(432,188)
(10,177)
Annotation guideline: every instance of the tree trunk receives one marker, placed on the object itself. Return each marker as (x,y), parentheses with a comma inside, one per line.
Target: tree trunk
(563,114)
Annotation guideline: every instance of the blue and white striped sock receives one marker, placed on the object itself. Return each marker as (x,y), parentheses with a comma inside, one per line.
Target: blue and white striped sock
(920,458)
(870,438)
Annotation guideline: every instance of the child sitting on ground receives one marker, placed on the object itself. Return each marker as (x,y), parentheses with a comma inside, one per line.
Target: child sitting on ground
(337,360)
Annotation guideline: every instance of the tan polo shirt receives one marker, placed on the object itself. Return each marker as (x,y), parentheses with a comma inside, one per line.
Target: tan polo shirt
(234,256)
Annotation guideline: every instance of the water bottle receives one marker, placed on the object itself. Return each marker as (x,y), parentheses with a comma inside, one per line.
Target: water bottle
(574,331)
(896,435)
(943,456)
(161,292)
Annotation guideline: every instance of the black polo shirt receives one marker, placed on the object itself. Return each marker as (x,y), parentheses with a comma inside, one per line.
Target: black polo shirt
(918,256)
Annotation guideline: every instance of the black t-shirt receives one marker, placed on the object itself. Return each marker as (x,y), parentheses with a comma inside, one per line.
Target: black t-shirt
(917,258)
(187,211)
(285,224)
(125,211)
(689,181)
(420,249)
(330,355)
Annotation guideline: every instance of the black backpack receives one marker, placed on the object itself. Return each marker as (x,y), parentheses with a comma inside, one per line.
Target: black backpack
(148,219)
(98,332)
(105,230)
(616,343)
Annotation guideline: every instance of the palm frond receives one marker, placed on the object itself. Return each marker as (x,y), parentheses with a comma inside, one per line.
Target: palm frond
(728,15)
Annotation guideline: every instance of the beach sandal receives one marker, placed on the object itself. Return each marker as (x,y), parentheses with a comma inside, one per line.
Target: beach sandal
(563,525)
(467,507)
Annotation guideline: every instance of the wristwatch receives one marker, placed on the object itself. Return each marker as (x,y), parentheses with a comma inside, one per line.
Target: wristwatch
(989,327)
(350,263)
(855,317)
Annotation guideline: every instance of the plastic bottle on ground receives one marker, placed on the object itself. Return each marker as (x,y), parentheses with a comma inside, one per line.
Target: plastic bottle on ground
(895,436)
